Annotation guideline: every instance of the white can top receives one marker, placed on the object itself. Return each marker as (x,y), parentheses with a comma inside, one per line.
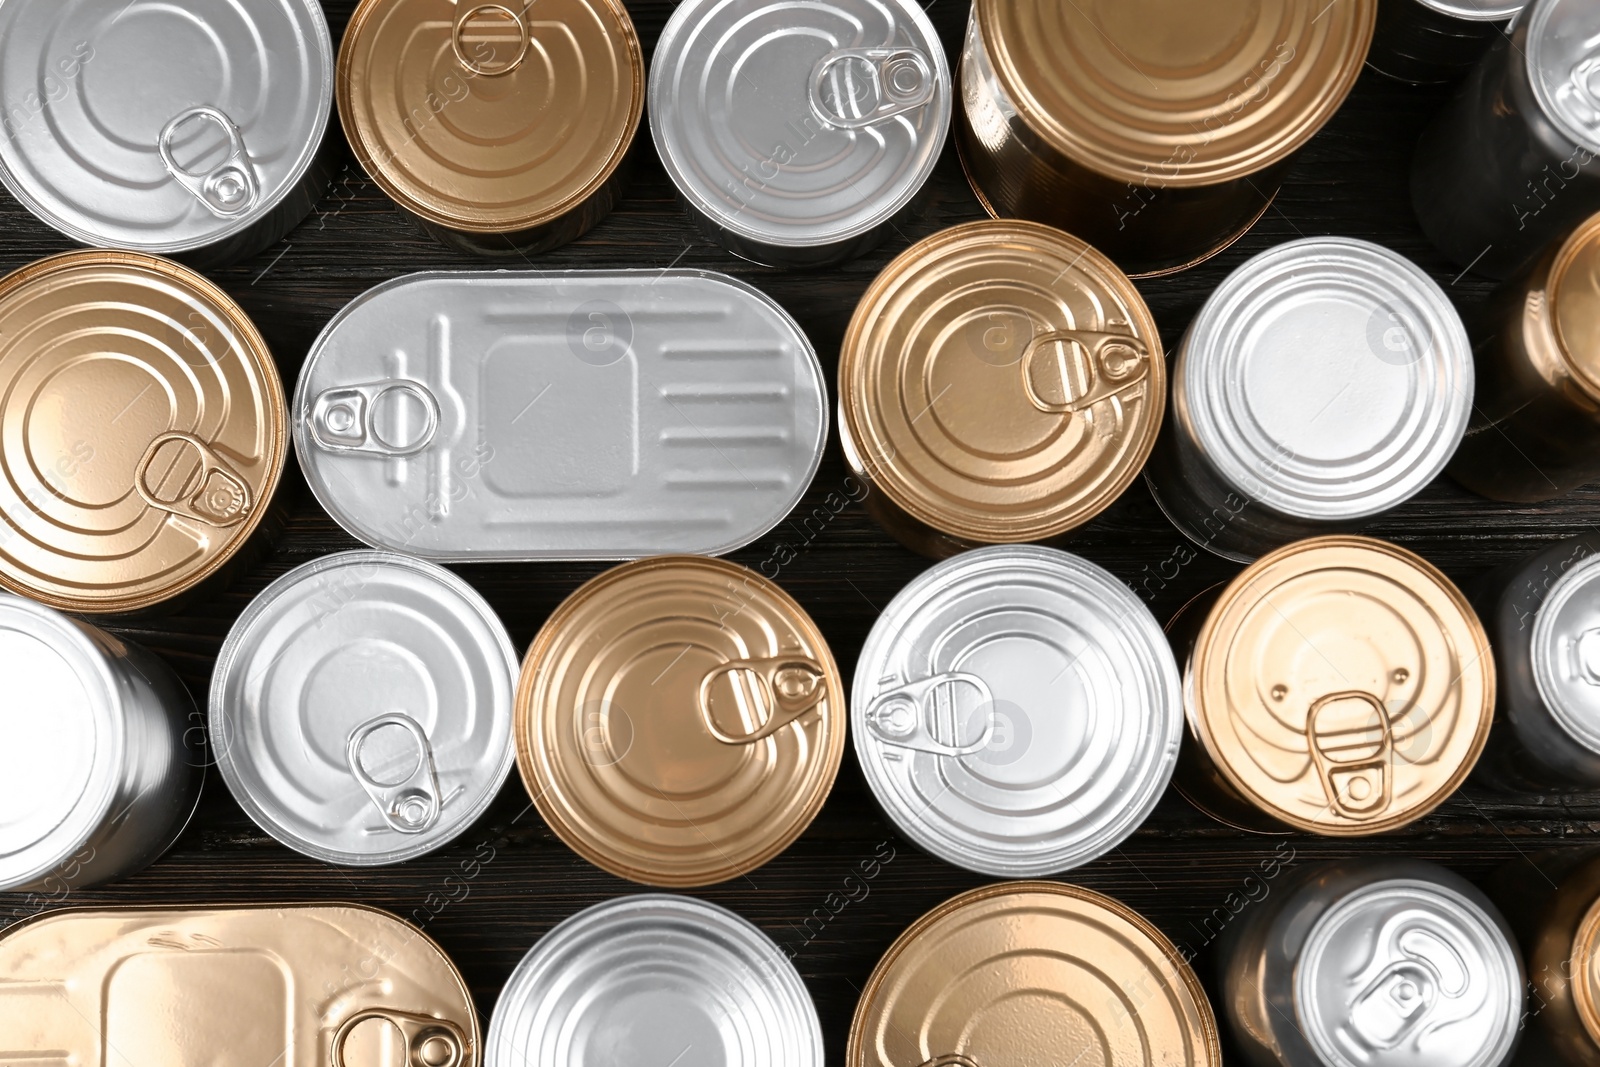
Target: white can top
(1564,66)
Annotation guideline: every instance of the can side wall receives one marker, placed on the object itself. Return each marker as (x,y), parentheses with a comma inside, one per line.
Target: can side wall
(1416,44)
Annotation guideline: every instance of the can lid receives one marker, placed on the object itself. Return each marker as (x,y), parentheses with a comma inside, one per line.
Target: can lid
(799,125)
(1342,685)
(1032,972)
(651,977)
(679,720)
(1327,378)
(107,139)
(361,708)
(1565,652)
(1171,93)
(144,430)
(1001,381)
(1017,711)
(1574,287)
(1584,952)
(490,118)
(1563,53)
(1476,10)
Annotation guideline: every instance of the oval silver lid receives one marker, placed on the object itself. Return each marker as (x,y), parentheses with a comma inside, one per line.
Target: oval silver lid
(1329,379)
(160,127)
(1564,66)
(1565,652)
(799,125)
(361,708)
(1476,10)
(1409,973)
(541,415)
(1017,711)
(654,978)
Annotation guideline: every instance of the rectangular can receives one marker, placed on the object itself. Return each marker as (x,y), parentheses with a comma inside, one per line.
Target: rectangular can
(1427,42)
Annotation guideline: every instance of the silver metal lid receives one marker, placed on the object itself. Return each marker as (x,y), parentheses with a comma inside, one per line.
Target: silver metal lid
(1017,711)
(1407,972)
(1564,66)
(1476,10)
(654,978)
(799,125)
(1328,378)
(1565,651)
(160,127)
(560,415)
(361,708)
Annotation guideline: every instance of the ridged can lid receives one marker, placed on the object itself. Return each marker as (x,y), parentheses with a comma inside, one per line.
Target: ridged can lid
(1563,56)
(1565,652)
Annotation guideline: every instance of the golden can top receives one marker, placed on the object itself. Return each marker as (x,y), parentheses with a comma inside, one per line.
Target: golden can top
(1584,970)
(1176,92)
(1342,685)
(1001,381)
(1574,288)
(679,720)
(1027,973)
(142,432)
(490,118)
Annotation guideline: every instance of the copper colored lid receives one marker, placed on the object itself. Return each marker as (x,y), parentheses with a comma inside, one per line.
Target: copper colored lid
(1574,288)
(1584,971)
(490,118)
(142,432)
(1001,381)
(1177,92)
(679,721)
(1342,685)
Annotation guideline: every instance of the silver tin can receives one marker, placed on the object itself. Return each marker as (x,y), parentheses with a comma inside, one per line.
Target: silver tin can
(1509,165)
(97,773)
(187,129)
(1326,381)
(654,978)
(797,133)
(1427,42)
(1017,711)
(361,708)
(560,415)
(1391,963)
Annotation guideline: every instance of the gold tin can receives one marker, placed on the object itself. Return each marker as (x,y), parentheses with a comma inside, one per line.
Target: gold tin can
(504,127)
(328,985)
(1158,130)
(1000,382)
(679,721)
(1027,973)
(1338,686)
(143,431)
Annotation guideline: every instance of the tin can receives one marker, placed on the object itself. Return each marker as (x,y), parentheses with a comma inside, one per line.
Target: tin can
(1427,42)
(679,721)
(1338,686)
(1017,711)
(329,985)
(504,127)
(797,134)
(1033,973)
(1326,381)
(560,415)
(361,708)
(97,776)
(1159,132)
(1382,962)
(1509,164)
(144,432)
(1000,382)
(649,976)
(107,139)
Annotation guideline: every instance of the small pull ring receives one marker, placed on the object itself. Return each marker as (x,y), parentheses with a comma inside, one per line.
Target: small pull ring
(900,718)
(1356,769)
(220,497)
(430,1042)
(524,34)
(1583,653)
(346,419)
(410,806)
(852,88)
(787,686)
(1085,367)
(230,188)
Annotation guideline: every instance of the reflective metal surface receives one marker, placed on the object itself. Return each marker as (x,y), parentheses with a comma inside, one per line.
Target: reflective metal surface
(1433,41)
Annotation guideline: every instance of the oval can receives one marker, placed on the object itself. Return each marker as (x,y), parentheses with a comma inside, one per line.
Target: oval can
(1427,42)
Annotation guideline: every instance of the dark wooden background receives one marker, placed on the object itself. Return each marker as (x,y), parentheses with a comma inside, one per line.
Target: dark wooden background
(830,899)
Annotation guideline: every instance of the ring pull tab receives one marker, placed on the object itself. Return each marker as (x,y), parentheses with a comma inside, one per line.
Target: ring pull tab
(219,497)
(429,1042)
(1069,371)
(786,687)
(1580,94)
(1583,654)
(901,717)
(347,419)
(409,806)
(1394,1004)
(951,1061)
(1356,768)
(853,88)
(477,65)
(230,188)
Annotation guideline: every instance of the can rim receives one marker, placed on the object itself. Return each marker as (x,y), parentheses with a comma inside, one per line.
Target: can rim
(1585,237)
(1584,991)
(1476,10)
(1540,13)
(1544,653)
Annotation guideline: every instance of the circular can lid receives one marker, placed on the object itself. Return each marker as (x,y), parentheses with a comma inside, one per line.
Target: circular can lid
(1001,381)
(1327,378)
(143,430)
(1584,954)
(1170,93)
(62,720)
(1565,651)
(654,977)
(680,720)
(106,138)
(1029,973)
(1563,54)
(490,118)
(361,708)
(1476,10)
(1017,711)
(799,125)
(1342,685)
(1574,287)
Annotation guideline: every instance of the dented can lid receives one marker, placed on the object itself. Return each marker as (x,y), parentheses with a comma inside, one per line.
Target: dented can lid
(361,708)
(1017,711)
(1565,652)
(1573,286)
(1563,56)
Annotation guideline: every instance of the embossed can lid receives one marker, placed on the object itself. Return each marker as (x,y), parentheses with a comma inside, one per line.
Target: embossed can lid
(1563,56)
